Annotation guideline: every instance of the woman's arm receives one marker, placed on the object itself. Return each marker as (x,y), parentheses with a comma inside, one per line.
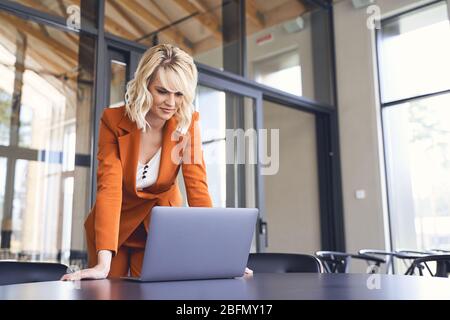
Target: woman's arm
(108,200)
(107,204)
(194,169)
(100,271)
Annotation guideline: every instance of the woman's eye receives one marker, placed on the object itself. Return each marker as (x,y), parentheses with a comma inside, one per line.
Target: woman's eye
(179,94)
(162,91)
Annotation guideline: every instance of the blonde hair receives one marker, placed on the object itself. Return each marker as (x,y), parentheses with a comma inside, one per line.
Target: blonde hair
(177,72)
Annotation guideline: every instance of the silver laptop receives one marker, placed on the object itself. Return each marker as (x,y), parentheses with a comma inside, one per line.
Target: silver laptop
(188,243)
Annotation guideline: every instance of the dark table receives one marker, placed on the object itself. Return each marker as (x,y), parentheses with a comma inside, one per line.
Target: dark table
(260,286)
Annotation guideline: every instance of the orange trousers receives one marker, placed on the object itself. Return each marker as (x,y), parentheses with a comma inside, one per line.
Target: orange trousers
(130,255)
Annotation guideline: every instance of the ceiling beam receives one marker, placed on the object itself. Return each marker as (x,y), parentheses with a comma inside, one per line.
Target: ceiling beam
(254,14)
(206,45)
(60,49)
(46,67)
(284,12)
(146,16)
(129,19)
(112,26)
(205,17)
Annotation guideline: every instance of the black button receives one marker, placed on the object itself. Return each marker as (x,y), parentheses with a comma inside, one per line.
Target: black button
(145,172)
(146,166)
(143,177)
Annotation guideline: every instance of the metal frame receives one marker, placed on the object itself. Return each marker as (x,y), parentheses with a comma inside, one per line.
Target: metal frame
(327,126)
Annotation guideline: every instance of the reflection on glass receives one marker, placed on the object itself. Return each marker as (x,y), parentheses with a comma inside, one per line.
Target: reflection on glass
(222,139)
(194,26)
(36,222)
(118,83)
(282,72)
(7,59)
(213,124)
(417,139)
(414,53)
(2,185)
(68,9)
(44,131)
(281,41)
(57,8)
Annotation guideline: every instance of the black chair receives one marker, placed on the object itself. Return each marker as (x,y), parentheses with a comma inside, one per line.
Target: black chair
(339,262)
(13,272)
(442,265)
(283,263)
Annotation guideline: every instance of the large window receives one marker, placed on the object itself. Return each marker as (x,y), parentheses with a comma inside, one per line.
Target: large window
(415,90)
(288,48)
(45,138)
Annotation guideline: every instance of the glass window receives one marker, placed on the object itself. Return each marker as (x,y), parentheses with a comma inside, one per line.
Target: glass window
(46,94)
(413,61)
(56,8)
(414,51)
(417,141)
(283,41)
(194,26)
(71,10)
(282,72)
(221,139)
(213,125)
(118,83)
(2,184)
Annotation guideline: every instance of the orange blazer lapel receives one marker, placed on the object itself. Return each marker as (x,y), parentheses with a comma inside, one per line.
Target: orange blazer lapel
(129,145)
(129,152)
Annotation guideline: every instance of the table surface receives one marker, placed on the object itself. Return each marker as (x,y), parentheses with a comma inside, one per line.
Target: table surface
(258,287)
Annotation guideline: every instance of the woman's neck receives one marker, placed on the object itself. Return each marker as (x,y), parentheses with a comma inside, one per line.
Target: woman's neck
(156,124)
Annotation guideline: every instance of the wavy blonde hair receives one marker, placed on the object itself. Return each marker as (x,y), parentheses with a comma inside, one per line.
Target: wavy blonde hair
(177,73)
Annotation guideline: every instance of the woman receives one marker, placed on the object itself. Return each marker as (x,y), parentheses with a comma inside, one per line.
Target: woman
(142,146)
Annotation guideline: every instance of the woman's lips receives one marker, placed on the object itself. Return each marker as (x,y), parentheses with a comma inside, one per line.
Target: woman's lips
(167,110)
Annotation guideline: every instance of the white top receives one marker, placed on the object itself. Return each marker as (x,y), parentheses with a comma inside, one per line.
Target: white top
(147,174)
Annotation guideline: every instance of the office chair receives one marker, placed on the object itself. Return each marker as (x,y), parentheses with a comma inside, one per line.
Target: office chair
(339,262)
(283,263)
(406,256)
(13,272)
(442,265)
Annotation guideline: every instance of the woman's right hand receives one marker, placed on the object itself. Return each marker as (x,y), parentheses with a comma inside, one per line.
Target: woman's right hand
(100,271)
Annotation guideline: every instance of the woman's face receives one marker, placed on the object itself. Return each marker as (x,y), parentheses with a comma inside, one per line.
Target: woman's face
(165,102)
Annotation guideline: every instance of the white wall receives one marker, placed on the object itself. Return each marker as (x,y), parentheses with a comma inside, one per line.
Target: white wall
(359,120)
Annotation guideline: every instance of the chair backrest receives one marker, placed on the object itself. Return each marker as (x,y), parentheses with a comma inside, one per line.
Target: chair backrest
(283,263)
(442,265)
(339,262)
(14,272)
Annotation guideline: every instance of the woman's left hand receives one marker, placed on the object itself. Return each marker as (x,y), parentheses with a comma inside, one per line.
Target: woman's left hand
(248,272)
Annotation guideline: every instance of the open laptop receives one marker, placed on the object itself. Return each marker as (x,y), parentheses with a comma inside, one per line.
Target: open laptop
(188,243)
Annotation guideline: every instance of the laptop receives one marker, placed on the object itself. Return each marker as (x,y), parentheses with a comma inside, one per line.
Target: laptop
(189,243)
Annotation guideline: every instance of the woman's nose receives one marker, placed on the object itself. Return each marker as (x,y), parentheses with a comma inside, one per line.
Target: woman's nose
(171,100)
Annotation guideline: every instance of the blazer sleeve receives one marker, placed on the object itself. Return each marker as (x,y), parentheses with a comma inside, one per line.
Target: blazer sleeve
(109,188)
(194,169)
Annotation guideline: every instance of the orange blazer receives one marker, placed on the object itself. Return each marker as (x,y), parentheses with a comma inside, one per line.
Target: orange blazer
(119,208)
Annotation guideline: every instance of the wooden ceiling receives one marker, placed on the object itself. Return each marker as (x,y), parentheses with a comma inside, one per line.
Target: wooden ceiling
(194,25)
(54,52)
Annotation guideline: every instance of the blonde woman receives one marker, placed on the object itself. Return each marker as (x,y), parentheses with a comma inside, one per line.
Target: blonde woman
(141,148)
